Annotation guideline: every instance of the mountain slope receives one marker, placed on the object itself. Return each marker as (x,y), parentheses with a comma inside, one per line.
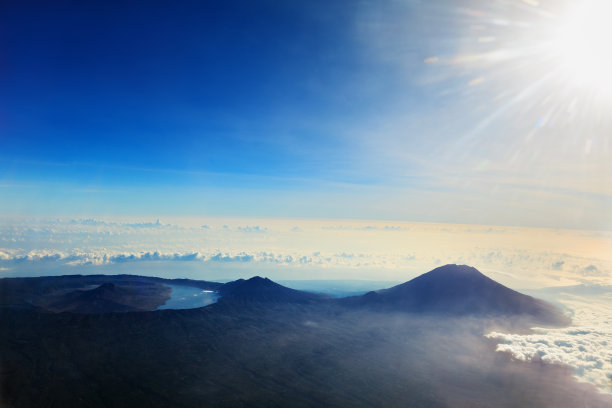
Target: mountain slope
(146,293)
(105,298)
(258,289)
(458,290)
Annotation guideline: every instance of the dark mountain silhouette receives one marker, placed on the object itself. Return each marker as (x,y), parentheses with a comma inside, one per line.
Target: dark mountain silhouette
(258,289)
(106,298)
(48,293)
(449,290)
(317,354)
(274,346)
(458,290)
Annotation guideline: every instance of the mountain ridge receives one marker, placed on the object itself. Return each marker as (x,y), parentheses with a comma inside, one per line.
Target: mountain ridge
(452,290)
(263,290)
(458,290)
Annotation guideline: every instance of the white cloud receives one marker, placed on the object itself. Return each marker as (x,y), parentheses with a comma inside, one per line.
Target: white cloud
(558,265)
(255,229)
(592,270)
(517,257)
(586,346)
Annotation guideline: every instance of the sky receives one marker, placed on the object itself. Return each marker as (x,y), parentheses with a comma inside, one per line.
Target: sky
(473,112)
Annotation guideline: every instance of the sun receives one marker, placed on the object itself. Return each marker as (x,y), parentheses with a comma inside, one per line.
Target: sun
(584,44)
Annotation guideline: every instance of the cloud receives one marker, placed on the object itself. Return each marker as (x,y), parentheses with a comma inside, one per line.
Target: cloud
(584,346)
(592,270)
(155,256)
(365,228)
(242,257)
(517,257)
(80,257)
(255,228)
(557,266)
(98,223)
(88,221)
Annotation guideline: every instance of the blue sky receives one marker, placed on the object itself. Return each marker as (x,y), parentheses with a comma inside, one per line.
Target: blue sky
(229,87)
(373,110)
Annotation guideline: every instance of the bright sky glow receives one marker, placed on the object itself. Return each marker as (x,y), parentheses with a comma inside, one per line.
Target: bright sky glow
(584,43)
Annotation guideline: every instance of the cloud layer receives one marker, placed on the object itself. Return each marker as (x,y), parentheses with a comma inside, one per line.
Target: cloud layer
(586,346)
(517,257)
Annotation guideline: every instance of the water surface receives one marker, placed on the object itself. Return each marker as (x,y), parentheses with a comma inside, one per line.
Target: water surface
(188,297)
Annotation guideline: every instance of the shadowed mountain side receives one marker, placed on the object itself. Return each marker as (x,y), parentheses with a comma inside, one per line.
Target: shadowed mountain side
(258,289)
(458,290)
(106,298)
(269,355)
(52,293)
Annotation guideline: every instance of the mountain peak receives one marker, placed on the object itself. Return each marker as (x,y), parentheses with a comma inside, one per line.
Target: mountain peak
(258,289)
(453,277)
(459,290)
(456,270)
(258,280)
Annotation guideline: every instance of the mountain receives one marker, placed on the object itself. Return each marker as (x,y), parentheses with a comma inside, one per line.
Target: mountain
(458,290)
(263,290)
(106,298)
(317,354)
(272,346)
(51,293)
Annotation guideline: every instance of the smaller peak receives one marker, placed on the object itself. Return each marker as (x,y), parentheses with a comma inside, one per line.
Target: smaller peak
(258,289)
(256,279)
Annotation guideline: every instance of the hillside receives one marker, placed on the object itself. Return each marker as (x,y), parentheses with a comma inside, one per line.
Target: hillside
(458,290)
(258,289)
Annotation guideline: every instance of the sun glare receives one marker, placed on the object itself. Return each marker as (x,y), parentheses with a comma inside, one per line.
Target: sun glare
(584,44)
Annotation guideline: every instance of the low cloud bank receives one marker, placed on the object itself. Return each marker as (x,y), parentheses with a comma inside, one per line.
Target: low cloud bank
(586,346)
(517,257)
(106,256)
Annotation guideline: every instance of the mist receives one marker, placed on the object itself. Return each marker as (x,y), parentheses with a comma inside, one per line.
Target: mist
(316,355)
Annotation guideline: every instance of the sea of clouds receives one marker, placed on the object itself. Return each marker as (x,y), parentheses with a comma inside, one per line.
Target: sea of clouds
(586,345)
(517,257)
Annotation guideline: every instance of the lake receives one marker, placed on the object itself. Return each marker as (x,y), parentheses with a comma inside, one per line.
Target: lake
(188,297)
